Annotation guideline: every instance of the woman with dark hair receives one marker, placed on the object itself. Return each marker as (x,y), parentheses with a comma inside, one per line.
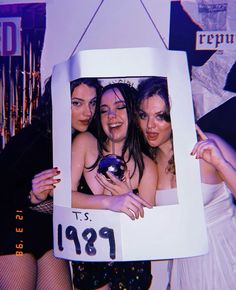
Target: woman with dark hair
(216,270)
(117,130)
(84,92)
(26,242)
(131,143)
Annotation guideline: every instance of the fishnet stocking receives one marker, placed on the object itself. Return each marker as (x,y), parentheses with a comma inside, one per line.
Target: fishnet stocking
(17,272)
(53,273)
(27,273)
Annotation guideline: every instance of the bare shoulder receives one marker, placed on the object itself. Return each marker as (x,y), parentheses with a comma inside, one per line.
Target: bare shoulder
(85,138)
(84,143)
(148,162)
(148,183)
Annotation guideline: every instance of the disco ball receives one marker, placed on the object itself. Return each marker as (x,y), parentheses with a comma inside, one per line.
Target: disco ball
(114,164)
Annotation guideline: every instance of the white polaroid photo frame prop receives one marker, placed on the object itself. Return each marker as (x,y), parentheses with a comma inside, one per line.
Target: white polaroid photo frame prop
(101,235)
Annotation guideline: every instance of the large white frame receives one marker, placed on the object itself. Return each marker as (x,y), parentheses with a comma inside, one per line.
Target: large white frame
(166,231)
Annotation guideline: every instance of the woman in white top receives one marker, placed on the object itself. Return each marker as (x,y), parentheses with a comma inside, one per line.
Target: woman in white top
(217,269)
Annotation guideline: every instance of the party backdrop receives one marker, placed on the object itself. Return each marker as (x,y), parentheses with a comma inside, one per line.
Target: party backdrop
(22,28)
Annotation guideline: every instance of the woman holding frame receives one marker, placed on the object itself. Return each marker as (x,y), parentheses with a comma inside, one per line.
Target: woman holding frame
(116,120)
(27,261)
(217,269)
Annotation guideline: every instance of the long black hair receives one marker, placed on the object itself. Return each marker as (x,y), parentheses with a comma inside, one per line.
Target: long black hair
(92,83)
(43,113)
(131,144)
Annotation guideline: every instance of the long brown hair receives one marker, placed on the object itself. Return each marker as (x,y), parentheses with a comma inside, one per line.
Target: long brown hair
(147,88)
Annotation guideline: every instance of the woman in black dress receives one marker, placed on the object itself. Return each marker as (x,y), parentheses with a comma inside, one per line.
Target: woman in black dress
(117,131)
(26,240)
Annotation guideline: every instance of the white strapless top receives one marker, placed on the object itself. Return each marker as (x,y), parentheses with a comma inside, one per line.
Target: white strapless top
(217,198)
(210,192)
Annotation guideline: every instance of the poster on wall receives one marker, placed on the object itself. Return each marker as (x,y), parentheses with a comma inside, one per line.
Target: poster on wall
(176,230)
(206,30)
(22,29)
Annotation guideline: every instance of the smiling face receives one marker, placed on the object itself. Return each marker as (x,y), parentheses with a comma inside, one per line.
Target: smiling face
(152,114)
(83,101)
(114,117)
